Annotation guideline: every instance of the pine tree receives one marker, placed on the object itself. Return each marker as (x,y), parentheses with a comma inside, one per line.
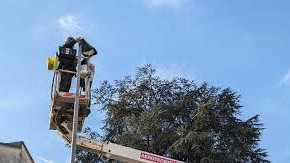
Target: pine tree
(178,118)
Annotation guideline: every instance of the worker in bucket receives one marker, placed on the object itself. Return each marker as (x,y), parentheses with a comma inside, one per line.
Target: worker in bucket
(67,62)
(90,71)
(88,51)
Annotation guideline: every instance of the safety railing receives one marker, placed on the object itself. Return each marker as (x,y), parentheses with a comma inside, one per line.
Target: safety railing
(87,71)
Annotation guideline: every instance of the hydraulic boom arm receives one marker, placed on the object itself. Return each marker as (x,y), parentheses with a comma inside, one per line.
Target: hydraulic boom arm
(109,150)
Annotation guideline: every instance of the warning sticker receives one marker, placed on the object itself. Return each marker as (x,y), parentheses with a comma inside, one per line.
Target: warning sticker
(154,158)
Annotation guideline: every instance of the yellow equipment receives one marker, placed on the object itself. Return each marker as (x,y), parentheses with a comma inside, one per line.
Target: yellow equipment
(51,63)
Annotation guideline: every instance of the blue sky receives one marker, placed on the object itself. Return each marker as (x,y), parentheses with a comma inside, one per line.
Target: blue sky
(241,44)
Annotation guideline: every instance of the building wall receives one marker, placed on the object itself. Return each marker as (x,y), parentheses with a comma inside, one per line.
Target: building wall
(13,155)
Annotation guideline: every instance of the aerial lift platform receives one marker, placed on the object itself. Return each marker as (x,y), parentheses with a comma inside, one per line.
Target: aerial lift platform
(62,118)
(62,103)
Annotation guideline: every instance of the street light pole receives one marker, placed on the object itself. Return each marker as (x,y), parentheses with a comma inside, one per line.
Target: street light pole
(76,109)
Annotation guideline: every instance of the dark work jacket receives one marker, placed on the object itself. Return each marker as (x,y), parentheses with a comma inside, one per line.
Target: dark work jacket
(67,62)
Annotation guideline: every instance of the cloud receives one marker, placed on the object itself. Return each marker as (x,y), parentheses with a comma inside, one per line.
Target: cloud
(167,72)
(285,81)
(70,24)
(42,159)
(64,26)
(170,73)
(165,3)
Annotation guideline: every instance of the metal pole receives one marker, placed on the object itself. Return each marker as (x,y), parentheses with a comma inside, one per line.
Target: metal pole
(76,109)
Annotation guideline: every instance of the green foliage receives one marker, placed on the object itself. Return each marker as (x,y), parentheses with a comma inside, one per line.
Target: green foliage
(179,119)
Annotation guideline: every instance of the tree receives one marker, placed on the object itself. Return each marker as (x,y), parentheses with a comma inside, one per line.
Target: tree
(178,118)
